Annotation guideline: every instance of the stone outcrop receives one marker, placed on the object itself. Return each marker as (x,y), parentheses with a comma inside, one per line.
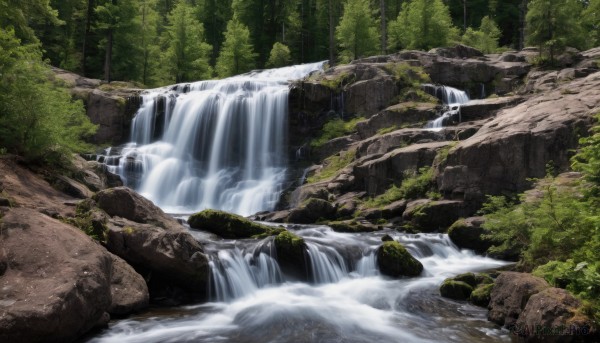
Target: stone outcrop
(467,234)
(434,215)
(311,211)
(398,115)
(57,283)
(395,261)
(229,225)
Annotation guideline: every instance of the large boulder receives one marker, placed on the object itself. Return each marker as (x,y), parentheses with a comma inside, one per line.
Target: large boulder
(291,255)
(520,141)
(228,225)
(166,257)
(395,261)
(427,215)
(482,294)
(126,203)
(467,234)
(311,211)
(554,315)
(510,294)
(128,289)
(56,283)
(457,290)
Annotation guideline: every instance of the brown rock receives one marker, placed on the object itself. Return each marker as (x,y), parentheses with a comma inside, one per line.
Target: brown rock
(128,289)
(72,187)
(433,216)
(56,284)
(510,294)
(126,203)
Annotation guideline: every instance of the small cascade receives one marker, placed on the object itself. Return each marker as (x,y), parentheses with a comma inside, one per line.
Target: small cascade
(451,97)
(327,265)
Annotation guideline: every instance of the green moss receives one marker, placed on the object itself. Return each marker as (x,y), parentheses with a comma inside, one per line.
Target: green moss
(457,290)
(389,129)
(128,230)
(414,185)
(394,260)
(228,225)
(468,278)
(335,82)
(481,295)
(286,238)
(442,154)
(407,75)
(334,129)
(350,226)
(333,165)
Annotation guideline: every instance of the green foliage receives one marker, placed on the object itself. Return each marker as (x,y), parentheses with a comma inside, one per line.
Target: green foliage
(237,55)
(357,32)
(407,75)
(187,55)
(591,22)
(554,24)
(413,186)
(587,161)
(38,119)
(332,166)
(486,38)
(389,129)
(422,24)
(335,128)
(280,56)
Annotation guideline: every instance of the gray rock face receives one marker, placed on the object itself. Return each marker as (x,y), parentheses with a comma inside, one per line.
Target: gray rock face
(128,289)
(434,216)
(397,116)
(57,282)
(520,141)
(510,295)
(477,109)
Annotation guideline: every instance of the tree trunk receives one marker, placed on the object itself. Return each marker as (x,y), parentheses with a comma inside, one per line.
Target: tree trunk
(383,27)
(86,36)
(331,35)
(108,55)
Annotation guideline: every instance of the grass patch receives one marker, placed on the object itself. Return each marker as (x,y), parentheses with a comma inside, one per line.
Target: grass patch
(332,166)
(442,154)
(414,185)
(335,128)
(388,129)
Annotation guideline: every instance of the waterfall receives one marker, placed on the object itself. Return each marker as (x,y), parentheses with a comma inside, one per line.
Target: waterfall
(451,97)
(213,144)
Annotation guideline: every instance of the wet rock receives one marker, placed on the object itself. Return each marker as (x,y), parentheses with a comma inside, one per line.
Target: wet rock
(482,294)
(126,203)
(311,211)
(467,234)
(433,216)
(395,261)
(128,289)
(352,226)
(56,280)
(291,254)
(457,290)
(554,315)
(510,294)
(387,238)
(227,225)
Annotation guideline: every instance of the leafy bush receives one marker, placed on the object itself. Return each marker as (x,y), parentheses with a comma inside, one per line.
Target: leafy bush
(38,119)
(335,128)
(333,165)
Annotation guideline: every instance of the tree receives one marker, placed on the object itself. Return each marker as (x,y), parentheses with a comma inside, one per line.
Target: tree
(551,24)
(237,55)
(357,33)
(486,38)
(591,22)
(186,57)
(38,119)
(22,14)
(422,24)
(383,19)
(280,56)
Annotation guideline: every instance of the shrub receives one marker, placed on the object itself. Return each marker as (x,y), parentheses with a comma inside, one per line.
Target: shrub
(414,185)
(335,128)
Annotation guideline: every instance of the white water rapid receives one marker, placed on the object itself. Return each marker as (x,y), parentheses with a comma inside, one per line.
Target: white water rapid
(212,144)
(347,301)
(452,99)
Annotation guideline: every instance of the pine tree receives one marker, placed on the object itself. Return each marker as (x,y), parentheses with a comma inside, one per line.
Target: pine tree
(186,57)
(486,38)
(280,56)
(554,24)
(422,24)
(591,22)
(357,32)
(237,55)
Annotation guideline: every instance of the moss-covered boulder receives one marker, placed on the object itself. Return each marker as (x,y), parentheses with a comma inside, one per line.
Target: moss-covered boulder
(468,278)
(291,255)
(311,211)
(352,226)
(469,234)
(228,225)
(394,260)
(481,295)
(457,290)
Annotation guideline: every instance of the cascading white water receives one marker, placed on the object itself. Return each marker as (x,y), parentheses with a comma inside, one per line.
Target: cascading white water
(351,302)
(451,97)
(213,144)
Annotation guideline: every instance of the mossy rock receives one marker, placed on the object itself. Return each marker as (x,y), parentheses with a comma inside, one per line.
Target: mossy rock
(395,261)
(351,226)
(484,279)
(457,290)
(481,295)
(291,250)
(468,278)
(228,225)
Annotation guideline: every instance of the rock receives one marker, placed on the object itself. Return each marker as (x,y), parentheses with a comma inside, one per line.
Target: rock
(468,278)
(510,295)
(376,176)
(387,238)
(128,289)
(467,234)
(457,290)
(273,217)
(56,281)
(4,202)
(126,203)
(457,51)
(352,226)
(72,187)
(554,315)
(520,141)
(312,210)
(291,254)
(395,261)
(228,225)
(398,116)
(393,210)
(333,147)
(112,112)
(481,295)
(382,144)
(484,108)
(166,257)
(434,216)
